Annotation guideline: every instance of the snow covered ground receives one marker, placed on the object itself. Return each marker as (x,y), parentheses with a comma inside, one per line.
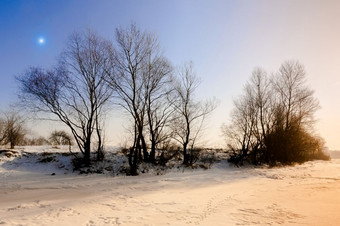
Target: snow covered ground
(307,194)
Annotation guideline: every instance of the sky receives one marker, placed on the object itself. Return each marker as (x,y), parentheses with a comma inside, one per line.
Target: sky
(224,39)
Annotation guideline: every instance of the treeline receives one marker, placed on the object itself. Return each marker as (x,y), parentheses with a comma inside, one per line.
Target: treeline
(13,132)
(132,73)
(273,119)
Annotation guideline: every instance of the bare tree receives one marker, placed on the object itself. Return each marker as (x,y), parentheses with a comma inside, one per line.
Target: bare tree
(128,82)
(75,90)
(60,138)
(260,99)
(14,131)
(159,99)
(190,112)
(240,133)
(141,74)
(295,98)
(260,92)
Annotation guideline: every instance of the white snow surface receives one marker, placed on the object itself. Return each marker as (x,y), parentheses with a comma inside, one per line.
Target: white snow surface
(305,194)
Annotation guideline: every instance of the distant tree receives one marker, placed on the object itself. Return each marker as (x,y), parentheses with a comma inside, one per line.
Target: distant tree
(191,113)
(60,138)
(14,131)
(74,91)
(36,141)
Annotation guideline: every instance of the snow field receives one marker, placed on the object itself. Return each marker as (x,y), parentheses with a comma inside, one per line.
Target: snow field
(306,194)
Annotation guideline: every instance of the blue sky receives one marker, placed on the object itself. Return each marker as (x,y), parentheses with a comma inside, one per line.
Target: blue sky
(226,40)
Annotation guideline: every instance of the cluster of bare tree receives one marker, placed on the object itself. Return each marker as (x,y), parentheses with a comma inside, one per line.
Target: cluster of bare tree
(131,72)
(273,119)
(13,132)
(35,141)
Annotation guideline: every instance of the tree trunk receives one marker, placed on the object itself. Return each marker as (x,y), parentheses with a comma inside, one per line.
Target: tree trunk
(152,156)
(100,151)
(135,157)
(139,150)
(191,156)
(87,151)
(145,149)
(133,161)
(185,155)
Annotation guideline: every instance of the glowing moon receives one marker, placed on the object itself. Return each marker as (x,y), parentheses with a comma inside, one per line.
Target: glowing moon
(41,41)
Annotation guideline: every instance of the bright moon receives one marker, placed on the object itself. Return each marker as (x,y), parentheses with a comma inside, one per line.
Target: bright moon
(41,41)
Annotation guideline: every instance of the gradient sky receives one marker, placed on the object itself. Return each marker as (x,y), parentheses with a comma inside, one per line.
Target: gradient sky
(224,39)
